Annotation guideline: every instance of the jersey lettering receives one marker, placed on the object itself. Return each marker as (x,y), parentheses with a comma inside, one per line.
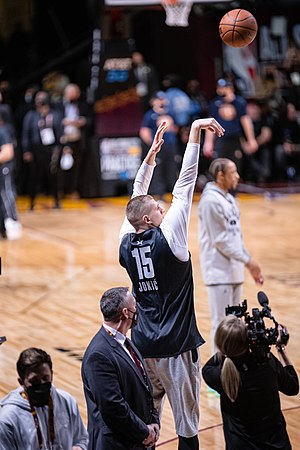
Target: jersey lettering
(150,285)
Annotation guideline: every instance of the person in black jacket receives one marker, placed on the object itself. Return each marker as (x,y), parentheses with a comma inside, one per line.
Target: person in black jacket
(121,415)
(41,146)
(250,403)
(77,124)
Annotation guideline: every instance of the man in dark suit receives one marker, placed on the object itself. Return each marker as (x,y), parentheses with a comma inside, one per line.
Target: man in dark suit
(121,415)
(77,128)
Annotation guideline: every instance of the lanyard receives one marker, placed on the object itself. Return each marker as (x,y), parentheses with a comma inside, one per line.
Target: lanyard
(36,420)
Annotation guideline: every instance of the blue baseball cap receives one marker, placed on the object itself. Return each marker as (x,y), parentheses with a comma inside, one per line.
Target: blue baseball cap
(159,94)
(222,82)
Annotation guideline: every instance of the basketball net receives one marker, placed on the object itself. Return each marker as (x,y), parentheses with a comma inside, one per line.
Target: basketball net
(177,12)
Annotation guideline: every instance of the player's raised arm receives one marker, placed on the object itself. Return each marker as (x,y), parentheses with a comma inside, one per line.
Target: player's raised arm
(156,144)
(209,124)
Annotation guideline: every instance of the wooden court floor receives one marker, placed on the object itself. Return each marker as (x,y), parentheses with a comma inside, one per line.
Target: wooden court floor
(52,279)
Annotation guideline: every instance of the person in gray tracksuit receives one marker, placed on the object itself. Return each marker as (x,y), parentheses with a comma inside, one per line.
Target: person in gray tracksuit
(223,254)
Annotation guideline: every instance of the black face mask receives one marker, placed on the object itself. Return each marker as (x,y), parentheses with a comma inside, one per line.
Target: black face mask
(134,319)
(39,393)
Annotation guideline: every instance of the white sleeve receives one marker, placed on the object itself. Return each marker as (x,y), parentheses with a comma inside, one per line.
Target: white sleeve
(176,221)
(140,187)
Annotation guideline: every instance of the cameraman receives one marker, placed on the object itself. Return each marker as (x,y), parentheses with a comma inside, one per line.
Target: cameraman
(250,403)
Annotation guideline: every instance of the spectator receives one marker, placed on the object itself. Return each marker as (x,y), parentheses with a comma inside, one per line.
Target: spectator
(37,415)
(291,65)
(25,104)
(180,106)
(10,227)
(269,89)
(41,147)
(199,102)
(230,110)
(166,173)
(249,389)
(146,79)
(54,83)
(154,251)
(7,117)
(77,123)
(223,254)
(258,165)
(116,386)
(287,152)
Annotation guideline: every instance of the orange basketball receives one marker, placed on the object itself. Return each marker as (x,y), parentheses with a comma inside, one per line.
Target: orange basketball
(238,28)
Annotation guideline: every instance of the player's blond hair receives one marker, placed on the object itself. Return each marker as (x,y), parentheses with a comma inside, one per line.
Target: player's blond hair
(137,208)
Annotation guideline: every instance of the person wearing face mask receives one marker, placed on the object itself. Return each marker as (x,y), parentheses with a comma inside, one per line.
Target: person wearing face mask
(41,148)
(37,415)
(117,389)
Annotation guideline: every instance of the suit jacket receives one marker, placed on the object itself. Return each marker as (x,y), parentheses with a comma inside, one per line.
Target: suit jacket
(85,111)
(119,402)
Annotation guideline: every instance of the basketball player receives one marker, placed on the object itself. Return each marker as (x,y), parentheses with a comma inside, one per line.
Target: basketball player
(223,253)
(154,251)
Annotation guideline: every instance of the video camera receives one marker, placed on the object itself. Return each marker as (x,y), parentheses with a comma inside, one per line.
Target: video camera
(260,338)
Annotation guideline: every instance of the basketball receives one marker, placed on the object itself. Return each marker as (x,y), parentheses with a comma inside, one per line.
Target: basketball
(238,28)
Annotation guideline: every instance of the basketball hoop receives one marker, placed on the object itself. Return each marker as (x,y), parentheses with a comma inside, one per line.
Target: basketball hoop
(177,12)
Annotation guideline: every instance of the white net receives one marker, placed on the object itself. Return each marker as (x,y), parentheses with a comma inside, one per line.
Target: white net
(177,13)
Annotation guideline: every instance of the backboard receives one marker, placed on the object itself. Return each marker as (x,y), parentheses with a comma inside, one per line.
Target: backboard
(177,11)
(151,2)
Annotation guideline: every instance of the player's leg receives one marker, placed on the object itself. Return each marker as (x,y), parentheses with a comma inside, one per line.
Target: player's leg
(158,389)
(219,296)
(237,291)
(180,377)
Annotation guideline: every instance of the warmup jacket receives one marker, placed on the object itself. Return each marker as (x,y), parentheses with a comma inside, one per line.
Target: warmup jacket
(223,254)
(17,428)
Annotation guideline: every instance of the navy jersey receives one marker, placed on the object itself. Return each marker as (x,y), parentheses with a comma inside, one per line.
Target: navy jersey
(228,114)
(164,290)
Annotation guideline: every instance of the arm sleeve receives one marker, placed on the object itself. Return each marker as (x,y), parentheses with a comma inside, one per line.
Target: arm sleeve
(80,434)
(215,224)
(176,221)
(288,382)
(140,187)
(211,373)
(115,411)
(6,437)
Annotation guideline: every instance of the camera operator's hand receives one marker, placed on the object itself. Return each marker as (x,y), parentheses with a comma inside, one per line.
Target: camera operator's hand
(255,271)
(283,335)
(281,342)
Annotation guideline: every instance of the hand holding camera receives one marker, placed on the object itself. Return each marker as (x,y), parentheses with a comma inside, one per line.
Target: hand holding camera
(283,337)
